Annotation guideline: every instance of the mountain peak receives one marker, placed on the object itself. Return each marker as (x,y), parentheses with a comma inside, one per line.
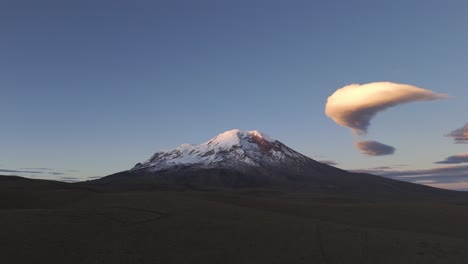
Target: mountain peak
(231,149)
(235,136)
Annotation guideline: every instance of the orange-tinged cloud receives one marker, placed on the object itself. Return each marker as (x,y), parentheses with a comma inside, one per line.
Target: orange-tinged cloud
(354,105)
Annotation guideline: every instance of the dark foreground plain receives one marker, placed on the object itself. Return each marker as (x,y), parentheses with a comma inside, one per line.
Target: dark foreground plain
(52,222)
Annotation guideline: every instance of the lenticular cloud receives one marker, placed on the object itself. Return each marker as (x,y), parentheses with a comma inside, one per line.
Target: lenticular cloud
(374,148)
(354,105)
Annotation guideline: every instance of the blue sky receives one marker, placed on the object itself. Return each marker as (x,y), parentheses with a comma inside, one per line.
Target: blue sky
(89,88)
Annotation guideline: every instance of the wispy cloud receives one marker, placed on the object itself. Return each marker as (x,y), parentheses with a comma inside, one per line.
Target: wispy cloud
(457,186)
(425,181)
(449,177)
(329,162)
(56,173)
(455,159)
(382,168)
(39,169)
(354,105)
(38,172)
(460,170)
(19,171)
(374,148)
(460,135)
(69,179)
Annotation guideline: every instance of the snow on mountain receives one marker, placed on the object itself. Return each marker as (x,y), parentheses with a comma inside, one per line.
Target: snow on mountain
(232,149)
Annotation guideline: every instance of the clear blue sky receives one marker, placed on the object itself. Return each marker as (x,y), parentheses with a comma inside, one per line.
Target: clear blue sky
(89,88)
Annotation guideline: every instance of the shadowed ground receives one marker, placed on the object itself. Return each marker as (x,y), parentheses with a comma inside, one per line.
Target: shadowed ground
(50,222)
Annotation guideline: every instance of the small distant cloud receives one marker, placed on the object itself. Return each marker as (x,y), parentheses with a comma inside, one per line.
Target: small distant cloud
(382,168)
(19,171)
(460,170)
(40,169)
(56,173)
(374,148)
(69,179)
(425,181)
(329,162)
(460,135)
(448,177)
(457,186)
(370,171)
(354,105)
(455,159)
(37,173)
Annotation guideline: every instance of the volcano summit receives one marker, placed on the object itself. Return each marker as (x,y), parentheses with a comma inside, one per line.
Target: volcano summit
(252,159)
(233,149)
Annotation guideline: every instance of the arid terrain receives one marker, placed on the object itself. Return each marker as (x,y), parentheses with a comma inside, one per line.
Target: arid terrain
(52,222)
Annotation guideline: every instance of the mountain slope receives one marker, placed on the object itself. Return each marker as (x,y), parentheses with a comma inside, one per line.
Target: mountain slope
(251,159)
(232,159)
(234,149)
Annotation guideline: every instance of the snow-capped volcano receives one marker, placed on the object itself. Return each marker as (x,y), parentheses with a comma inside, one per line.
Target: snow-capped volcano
(234,149)
(251,159)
